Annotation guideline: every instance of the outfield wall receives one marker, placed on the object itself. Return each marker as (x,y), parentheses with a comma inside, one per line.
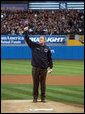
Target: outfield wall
(58,52)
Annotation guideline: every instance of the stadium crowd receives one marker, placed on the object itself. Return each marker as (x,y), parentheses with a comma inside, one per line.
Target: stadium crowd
(46,22)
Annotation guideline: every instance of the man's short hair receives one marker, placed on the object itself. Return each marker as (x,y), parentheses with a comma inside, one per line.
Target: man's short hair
(44,37)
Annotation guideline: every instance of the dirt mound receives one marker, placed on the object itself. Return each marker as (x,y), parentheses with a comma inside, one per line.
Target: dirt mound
(24,106)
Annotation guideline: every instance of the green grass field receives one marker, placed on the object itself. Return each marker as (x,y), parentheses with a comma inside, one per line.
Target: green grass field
(59,93)
(23,67)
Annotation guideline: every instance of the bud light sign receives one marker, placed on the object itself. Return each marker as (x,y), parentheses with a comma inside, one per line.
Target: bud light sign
(20,40)
(58,40)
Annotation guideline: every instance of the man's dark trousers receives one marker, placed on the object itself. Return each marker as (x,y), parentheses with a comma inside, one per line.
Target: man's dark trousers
(39,75)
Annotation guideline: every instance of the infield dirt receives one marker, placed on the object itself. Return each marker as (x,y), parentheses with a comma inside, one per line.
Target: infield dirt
(51,80)
(24,106)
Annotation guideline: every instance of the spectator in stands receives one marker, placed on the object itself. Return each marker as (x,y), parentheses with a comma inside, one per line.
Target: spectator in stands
(46,22)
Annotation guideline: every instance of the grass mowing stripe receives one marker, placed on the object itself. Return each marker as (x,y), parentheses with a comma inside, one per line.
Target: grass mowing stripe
(65,98)
(15,85)
(63,65)
(78,88)
(7,96)
(24,62)
(78,67)
(13,95)
(75,88)
(15,64)
(58,95)
(19,66)
(20,91)
(17,93)
(24,89)
(58,90)
(60,99)
(12,67)
(49,95)
(68,61)
(55,61)
(71,64)
(67,70)
(63,72)
(66,93)
(12,88)
(67,89)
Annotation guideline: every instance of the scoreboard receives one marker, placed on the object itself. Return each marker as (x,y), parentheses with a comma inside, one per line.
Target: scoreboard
(62,5)
(57,5)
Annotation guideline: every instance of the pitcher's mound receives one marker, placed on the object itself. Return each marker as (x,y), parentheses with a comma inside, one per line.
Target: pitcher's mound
(27,106)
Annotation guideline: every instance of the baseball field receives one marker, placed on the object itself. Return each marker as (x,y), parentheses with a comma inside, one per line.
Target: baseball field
(64,90)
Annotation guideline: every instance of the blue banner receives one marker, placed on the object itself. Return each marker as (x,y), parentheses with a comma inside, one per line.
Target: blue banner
(13,7)
(12,39)
(58,52)
(19,39)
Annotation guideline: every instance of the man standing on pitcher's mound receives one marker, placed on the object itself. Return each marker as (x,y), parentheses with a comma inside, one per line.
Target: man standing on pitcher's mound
(41,60)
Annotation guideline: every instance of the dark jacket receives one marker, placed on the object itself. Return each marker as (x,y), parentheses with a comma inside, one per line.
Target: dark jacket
(41,55)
